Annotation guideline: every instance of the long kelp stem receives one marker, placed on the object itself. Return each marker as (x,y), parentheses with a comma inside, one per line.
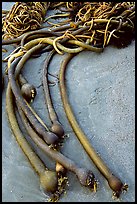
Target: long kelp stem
(52,113)
(48,179)
(49,137)
(56,126)
(113,181)
(86,177)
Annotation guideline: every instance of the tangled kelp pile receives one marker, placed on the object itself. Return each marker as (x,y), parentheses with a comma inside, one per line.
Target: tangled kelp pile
(89,26)
(105,22)
(23,17)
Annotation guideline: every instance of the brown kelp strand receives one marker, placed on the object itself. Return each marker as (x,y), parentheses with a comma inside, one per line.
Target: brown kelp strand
(29,36)
(45,33)
(56,126)
(64,38)
(28,92)
(50,181)
(60,15)
(61,48)
(86,177)
(115,183)
(48,178)
(13,52)
(49,137)
(27,89)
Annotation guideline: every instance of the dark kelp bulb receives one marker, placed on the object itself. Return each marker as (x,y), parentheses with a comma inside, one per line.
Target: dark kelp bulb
(87,178)
(28,91)
(115,184)
(57,128)
(50,138)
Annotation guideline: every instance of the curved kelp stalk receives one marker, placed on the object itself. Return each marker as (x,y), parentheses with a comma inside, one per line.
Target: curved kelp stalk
(56,126)
(49,137)
(85,176)
(48,178)
(115,183)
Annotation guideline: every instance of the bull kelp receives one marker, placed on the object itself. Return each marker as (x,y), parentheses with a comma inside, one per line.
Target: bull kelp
(77,26)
